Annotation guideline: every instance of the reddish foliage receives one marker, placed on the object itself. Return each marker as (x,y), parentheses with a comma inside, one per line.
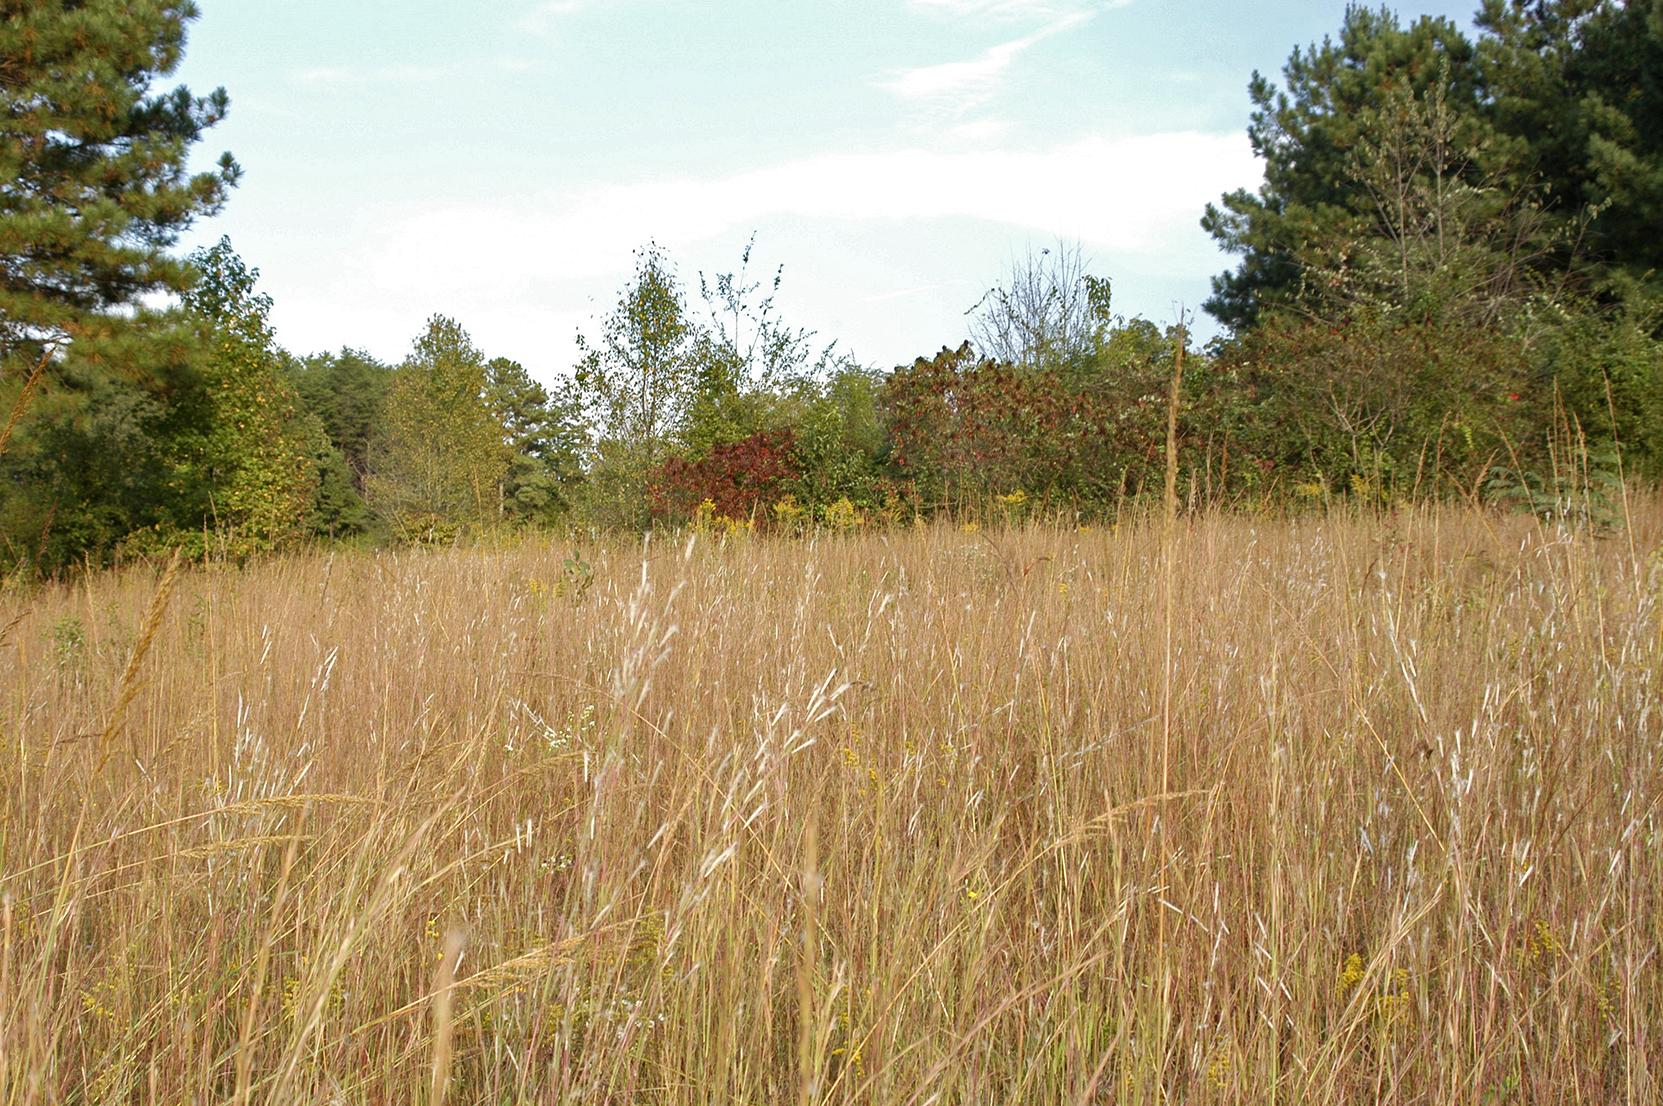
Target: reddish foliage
(963,427)
(736,478)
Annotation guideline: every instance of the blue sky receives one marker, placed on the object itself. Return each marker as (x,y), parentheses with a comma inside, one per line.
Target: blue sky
(499,161)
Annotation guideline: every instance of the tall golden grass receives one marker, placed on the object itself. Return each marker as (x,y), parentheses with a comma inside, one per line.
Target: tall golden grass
(850,819)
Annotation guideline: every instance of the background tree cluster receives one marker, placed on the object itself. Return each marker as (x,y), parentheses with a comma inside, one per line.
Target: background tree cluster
(1448,284)
(1452,267)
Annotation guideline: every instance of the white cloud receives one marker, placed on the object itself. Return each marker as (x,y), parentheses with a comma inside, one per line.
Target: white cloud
(888,248)
(975,133)
(387,74)
(1127,194)
(901,295)
(1013,9)
(963,82)
(542,19)
(960,85)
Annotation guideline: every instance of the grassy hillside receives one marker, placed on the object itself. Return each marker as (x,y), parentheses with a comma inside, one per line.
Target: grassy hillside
(876,819)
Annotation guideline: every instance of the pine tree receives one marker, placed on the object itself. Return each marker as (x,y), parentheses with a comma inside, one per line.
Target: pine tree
(1578,82)
(1308,133)
(94,186)
(1555,106)
(544,434)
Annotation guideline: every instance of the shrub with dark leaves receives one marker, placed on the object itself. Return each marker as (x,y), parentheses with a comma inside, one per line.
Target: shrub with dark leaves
(740,480)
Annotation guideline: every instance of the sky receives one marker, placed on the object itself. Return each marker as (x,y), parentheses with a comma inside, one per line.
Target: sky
(500,162)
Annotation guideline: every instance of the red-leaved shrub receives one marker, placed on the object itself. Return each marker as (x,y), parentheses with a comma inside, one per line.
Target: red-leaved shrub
(737,479)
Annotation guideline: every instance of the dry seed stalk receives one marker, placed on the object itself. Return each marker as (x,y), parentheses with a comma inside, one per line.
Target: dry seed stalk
(290,802)
(807,955)
(6,632)
(27,394)
(218,847)
(510,972)
(130,678)
(1169,527)
(245,1055)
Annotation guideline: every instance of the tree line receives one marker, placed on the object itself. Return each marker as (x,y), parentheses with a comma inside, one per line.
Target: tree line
(1446,286)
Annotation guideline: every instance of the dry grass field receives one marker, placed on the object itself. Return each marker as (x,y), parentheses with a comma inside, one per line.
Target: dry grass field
(895,818)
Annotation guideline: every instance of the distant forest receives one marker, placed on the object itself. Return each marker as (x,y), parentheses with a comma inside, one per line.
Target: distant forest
(1448,286)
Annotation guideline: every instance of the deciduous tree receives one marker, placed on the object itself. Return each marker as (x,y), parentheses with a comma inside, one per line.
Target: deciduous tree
(638,379)
(252,452)
(744,359)
(443,458)
(636,383)
(1047,312)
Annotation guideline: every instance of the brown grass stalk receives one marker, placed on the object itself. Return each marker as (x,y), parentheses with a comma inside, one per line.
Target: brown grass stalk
(443,979)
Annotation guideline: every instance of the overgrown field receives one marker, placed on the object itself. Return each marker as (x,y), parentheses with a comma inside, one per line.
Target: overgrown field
(868,819)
